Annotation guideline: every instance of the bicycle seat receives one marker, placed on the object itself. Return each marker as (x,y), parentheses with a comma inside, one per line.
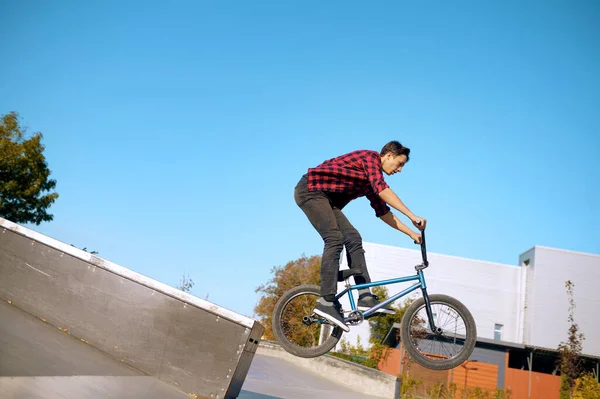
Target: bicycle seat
(344,274)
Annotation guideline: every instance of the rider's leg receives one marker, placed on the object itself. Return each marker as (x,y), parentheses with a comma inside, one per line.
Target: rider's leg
(356,259)
(321,216)
(354,248)
(317,208)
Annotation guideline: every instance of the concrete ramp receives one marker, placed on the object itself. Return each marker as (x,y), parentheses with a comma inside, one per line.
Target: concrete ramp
(94,323)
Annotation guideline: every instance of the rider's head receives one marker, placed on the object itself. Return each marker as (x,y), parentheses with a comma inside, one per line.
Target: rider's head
(393,157)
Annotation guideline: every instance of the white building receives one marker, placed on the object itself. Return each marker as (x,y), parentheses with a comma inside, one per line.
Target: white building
(525,303)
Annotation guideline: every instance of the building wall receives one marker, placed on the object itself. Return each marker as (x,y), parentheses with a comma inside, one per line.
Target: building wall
(482,375)
(544,386)
(477,284)
(496,357)
(547,313)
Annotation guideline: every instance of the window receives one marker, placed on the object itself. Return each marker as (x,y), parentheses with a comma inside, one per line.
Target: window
(498,332)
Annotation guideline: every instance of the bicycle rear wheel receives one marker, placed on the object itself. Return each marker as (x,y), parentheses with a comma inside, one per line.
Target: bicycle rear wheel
(296,327)
(447,348)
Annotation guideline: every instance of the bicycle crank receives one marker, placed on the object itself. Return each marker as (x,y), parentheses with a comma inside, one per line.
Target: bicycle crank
(355,318)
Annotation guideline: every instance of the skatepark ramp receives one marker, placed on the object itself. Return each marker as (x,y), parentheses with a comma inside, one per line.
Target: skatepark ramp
(59,301)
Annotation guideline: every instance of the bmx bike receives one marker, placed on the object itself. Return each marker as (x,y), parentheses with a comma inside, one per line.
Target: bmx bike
(437,331)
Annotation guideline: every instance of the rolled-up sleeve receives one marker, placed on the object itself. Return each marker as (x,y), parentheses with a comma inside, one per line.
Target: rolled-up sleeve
(379,205)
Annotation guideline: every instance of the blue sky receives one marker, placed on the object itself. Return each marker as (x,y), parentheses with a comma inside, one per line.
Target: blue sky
(177,132)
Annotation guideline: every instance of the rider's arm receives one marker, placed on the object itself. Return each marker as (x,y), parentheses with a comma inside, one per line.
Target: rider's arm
(394,222)
(392,200)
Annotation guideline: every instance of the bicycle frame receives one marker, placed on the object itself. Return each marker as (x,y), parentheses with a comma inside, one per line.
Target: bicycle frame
(419,277)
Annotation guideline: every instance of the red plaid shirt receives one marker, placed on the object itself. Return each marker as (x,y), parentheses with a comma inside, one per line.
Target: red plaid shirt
(355,174)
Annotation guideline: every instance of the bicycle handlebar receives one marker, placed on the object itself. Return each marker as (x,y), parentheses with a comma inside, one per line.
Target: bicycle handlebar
(423,248)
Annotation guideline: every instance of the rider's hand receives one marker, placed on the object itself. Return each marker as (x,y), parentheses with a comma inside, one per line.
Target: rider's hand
(420,226)
(416,237)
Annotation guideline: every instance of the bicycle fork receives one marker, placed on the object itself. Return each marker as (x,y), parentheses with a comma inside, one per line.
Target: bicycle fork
(434,328)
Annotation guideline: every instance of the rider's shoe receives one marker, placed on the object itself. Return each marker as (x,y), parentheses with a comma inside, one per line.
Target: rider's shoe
(367,301)
(332,314)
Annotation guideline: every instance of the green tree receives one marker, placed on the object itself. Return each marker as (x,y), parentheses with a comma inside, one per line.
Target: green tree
(570,351)
(437,391)
(586,387)
(305,270)
(24,175)
(502,394)
(409,386)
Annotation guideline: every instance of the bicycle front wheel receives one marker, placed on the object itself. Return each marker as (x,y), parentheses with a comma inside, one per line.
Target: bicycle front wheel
(448,347)
(298,329)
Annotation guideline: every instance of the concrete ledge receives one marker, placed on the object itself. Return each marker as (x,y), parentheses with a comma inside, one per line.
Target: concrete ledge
(354,376)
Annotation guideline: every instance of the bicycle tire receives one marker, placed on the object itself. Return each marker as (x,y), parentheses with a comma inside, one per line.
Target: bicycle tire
(469,343)
(289,346)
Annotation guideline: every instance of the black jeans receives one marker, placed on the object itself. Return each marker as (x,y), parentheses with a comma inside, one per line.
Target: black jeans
(325,214)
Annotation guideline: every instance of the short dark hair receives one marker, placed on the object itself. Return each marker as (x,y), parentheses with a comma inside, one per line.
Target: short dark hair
(396,149)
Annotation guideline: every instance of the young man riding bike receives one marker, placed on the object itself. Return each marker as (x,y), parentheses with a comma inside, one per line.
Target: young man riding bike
(325,190)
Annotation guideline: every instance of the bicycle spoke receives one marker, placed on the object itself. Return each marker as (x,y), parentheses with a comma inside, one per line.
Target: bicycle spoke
(293,327)
(446,345)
